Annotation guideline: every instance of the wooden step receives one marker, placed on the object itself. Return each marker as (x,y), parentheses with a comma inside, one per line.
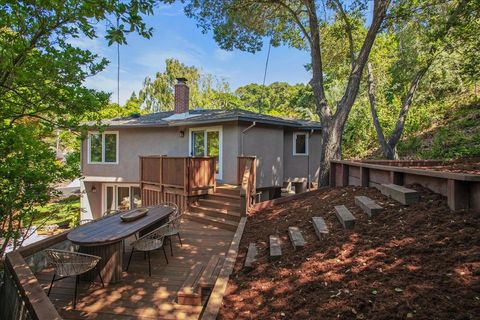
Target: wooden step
(320,227)
(401,194)
(213,221)
(211,272)
(251,256)
(223,197)
(190,292)
(217,213)
(232,205)
(275,247)
(345,217)
(296,237)
(370,207)
(229,190)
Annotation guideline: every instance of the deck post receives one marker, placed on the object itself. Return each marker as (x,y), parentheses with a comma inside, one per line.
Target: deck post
(364,177)
(345,173)
(396,178)
(457,194)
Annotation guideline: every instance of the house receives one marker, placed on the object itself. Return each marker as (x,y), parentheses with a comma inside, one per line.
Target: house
(284,149)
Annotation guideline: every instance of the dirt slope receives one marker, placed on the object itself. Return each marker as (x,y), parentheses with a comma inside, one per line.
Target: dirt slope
(416,262)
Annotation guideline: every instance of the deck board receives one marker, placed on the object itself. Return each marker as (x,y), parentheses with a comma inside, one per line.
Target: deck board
(138,296)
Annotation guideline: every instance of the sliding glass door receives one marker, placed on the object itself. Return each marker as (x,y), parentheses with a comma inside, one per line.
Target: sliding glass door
(121,197)
(207,142)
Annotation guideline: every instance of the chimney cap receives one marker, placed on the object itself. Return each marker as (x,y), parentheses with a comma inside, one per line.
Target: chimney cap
(182,80)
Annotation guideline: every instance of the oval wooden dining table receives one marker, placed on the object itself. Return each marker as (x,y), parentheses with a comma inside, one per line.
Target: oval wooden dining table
(104,238)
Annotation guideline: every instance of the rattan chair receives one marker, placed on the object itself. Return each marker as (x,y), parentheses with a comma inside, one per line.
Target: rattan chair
(173,224)
(151,241)
(71,264)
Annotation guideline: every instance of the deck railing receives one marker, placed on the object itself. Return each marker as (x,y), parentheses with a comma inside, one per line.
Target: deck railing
(176,179)
(247,166)
(21,296)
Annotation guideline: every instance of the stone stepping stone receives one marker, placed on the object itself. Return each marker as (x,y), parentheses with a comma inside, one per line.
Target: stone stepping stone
(401,194)
(320,227)
(370,207)
(275,247)
(296,237)
(345,217)
(251,256)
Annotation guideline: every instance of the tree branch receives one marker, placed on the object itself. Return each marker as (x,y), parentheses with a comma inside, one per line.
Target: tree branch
(348,31)
(386,149)
(297,20)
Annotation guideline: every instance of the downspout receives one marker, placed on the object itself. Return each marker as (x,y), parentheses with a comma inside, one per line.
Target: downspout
(308,160)
(244,131)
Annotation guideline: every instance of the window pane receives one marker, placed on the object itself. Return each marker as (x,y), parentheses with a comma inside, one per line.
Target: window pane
(96,148)
(136,197)
(123,198)
(110,204)
(213,146)
(300,144)
(110,147)
(198,140)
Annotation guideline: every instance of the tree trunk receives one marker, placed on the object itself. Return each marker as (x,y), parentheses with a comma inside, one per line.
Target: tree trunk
(388,152)
(331,149)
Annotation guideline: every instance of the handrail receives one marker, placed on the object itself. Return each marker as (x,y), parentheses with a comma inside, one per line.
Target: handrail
(31,293)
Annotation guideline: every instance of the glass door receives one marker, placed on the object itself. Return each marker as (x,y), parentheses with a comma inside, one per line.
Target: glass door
(121,197)
(207,142)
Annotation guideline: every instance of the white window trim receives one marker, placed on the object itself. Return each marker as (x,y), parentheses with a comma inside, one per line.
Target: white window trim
(220,146)
(103,147)
(114,185)
(295,134)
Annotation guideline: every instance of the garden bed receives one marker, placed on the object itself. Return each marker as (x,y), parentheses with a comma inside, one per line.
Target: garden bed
(469,166)
(418,262)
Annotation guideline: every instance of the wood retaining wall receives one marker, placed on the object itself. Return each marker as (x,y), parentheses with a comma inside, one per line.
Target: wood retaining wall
(462,190)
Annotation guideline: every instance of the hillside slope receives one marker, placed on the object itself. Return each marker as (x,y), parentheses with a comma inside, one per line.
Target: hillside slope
(457,135)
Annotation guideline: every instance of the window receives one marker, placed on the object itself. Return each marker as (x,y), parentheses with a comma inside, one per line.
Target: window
(121,197)
(300,144)
(103,147)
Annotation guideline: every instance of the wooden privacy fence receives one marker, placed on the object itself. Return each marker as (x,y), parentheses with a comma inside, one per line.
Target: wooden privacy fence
(175,179)
(246,178)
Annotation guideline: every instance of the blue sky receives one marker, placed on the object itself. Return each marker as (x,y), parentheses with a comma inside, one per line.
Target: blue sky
(176,36)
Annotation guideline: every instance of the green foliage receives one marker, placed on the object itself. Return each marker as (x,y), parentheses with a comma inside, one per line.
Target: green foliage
(41,91)
(65,212)
(455,135)
(206,91)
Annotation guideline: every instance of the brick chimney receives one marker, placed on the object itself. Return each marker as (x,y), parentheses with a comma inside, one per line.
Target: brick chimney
(181,96)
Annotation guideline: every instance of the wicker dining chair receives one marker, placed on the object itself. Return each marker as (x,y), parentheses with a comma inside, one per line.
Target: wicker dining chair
(173,224)
(71,264)
(149,242)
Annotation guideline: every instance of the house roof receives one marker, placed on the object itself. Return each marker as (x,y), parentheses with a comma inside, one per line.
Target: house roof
(196,117)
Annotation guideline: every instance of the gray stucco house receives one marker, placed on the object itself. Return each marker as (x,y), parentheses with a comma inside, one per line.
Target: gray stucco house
(285,149)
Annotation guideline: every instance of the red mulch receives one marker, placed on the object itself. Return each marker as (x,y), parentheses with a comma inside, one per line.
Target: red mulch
(415,262)
(469,166)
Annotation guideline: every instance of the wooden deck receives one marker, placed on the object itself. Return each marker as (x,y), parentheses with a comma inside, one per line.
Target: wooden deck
(139,296)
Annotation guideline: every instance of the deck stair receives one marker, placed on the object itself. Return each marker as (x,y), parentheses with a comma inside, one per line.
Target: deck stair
(220,209)
(200,282)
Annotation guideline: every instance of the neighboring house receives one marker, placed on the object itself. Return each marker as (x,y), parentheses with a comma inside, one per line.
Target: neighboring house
(285,149)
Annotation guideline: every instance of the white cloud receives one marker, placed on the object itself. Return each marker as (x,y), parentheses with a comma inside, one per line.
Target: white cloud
(223,55)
